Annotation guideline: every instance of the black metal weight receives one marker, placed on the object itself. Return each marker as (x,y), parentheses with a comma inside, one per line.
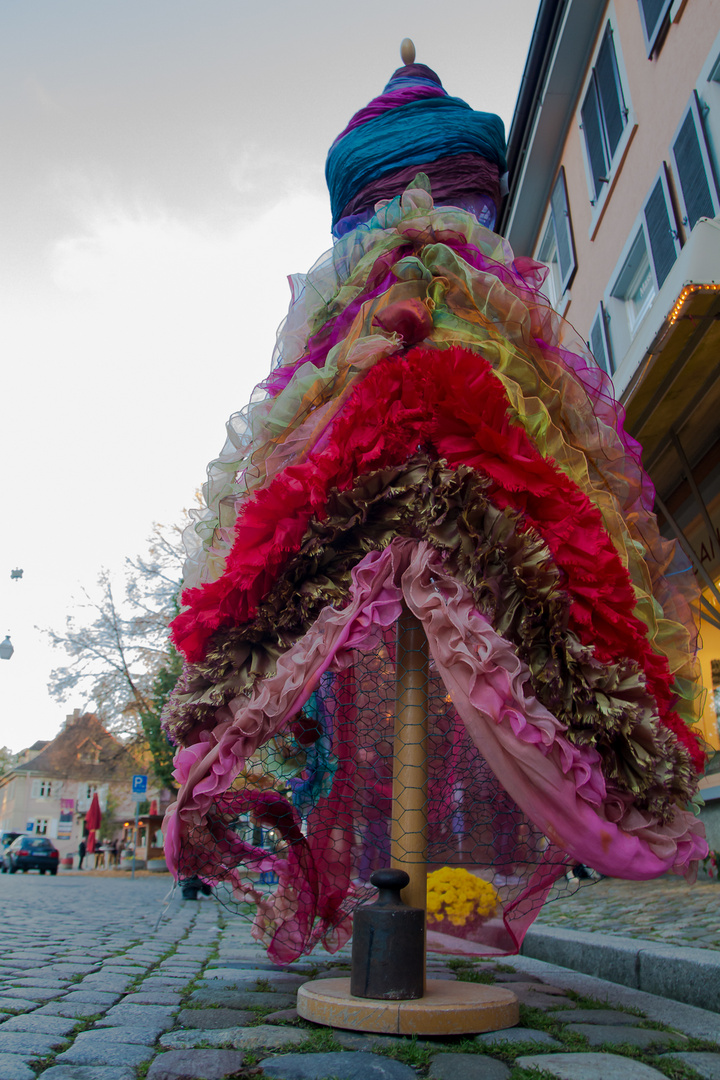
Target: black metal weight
(388,949)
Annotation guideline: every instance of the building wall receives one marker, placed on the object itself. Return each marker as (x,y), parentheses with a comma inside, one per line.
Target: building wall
(12,803)
(20,803)
(659,90)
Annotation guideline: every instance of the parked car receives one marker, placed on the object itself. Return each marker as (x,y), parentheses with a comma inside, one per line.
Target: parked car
(31,853)
(6,839)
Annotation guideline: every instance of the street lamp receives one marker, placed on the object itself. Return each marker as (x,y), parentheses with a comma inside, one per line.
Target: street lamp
(6,648)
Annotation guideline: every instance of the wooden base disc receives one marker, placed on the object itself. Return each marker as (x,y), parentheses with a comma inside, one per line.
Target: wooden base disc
(447,1008)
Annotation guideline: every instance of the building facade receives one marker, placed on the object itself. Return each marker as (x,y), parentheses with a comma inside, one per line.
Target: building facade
(49,791)
(614,156)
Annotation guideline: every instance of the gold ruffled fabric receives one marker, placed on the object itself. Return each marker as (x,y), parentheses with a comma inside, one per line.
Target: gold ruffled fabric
(513,581)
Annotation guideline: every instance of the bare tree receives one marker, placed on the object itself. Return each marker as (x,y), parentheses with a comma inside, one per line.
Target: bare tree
(117,642)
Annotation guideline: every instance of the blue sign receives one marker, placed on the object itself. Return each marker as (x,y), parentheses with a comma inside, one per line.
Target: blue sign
(139,784)
(30,826)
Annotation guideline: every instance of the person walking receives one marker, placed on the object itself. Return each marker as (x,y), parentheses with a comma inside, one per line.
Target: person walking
(82,848)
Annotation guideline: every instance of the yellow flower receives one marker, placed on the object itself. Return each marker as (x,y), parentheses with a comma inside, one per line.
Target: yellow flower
(457,895)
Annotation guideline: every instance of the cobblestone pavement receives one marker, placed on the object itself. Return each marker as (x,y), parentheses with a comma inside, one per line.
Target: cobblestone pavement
(102,980)
(667,910)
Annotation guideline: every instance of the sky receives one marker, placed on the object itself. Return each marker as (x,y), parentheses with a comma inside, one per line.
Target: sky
(163,173)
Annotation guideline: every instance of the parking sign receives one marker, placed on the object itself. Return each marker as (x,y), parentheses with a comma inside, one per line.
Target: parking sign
(139,785)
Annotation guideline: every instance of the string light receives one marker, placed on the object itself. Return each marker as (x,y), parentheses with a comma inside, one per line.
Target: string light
(675,313)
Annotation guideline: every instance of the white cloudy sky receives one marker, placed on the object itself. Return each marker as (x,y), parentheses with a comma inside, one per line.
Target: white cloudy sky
(162,174)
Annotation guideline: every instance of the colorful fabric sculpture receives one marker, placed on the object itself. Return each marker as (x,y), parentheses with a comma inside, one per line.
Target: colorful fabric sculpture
(431,434)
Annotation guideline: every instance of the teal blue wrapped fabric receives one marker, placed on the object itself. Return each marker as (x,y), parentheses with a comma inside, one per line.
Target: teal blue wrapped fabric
(413,134)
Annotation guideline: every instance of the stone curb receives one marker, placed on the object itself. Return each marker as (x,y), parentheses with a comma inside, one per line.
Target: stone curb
(681,973)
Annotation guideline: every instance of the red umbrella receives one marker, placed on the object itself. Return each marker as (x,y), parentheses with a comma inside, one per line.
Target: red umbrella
(92,822)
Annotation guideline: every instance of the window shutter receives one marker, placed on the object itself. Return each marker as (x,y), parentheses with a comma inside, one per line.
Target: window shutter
(35,790)
(652,16)
(610,94)
(590,114)
(663,243)
(599,344)
(560,210)
(693,169)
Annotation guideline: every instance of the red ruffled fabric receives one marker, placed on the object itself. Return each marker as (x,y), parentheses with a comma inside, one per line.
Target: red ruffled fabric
(450,403)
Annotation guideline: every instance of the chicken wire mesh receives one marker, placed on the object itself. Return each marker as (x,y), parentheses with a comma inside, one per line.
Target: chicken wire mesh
(326,802)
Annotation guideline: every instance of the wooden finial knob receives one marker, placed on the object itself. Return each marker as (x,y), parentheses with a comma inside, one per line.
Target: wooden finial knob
(407,51)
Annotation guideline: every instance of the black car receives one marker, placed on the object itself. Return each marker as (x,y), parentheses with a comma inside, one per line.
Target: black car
(31,853)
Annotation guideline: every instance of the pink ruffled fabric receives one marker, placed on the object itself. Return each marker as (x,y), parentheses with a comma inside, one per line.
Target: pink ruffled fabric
(559,787)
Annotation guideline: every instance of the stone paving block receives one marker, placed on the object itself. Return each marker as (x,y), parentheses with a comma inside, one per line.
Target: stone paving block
(72,969)
(237,999)
(42,1025)
(63,1008)
(599,1034)
(589,1067)
(196,1065)
(264,1036)
(110,983)
(247,979)
(33,993)
(467,1067)
(82,1053)
(143,1015)
(519,986)
(361,1040)
(164,982)
(60,982)
(705,1063)
(16,1004)
(340,1066)
(102,998)
(217,1018)
(593,1016)
(106,1035)
(30,1044)
(517,976)
(241,979)
(88,1072)
(149,997)
(12,1068)
(537,1000)
(283,1016)
(516,1035)
(261,964)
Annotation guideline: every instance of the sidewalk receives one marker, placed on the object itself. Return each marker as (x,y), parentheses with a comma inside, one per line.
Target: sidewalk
(99,980)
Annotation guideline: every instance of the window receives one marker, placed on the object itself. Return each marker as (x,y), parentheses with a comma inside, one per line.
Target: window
(646,262)
(635,288)
(90,790)
(41,826)
(42,789)
(695,179)
(652,17)
(599,342)
(603,114)
(548,254)
(557,248)
(661,234)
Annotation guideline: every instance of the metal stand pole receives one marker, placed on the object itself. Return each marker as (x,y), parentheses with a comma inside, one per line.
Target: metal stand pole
(408,849)
(446,1008)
